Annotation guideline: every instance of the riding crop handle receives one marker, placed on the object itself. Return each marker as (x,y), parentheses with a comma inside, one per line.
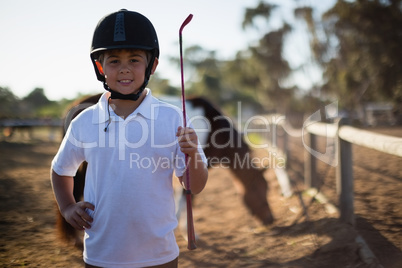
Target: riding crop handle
(190,224)
(183,97)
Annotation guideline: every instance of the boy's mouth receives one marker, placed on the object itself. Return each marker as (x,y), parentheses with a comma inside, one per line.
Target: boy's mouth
(125,81)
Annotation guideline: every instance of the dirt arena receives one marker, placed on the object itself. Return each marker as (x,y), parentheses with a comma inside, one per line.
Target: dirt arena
(228,235)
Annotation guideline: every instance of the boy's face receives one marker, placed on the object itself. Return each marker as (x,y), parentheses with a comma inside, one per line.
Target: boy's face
(124,70)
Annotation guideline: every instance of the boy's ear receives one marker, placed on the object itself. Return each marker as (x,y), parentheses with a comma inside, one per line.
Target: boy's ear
(154,65)
(100,68)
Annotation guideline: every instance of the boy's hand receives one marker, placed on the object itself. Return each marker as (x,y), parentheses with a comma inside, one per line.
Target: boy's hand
(76,215)
(188,140)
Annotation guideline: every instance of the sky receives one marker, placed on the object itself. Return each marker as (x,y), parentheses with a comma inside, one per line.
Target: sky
(46,43)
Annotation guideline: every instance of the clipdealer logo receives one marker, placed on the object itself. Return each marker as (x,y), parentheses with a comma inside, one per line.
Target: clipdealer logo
(236,132)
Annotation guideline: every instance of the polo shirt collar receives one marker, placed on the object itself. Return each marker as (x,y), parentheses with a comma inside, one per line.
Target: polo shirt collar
(148,108)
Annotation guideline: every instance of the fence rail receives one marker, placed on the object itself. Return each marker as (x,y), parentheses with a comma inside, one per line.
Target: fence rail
(380,142)
(341,158)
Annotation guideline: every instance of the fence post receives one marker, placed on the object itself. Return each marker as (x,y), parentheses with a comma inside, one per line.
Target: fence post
(344,178)
(310,162)
(286,146)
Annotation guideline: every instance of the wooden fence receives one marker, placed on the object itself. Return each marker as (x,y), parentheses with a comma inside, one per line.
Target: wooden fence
(343,137)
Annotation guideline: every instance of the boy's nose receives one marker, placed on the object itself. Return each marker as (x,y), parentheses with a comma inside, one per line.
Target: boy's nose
(124,69)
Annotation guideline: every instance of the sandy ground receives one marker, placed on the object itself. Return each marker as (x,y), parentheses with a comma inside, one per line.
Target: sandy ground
(228,235)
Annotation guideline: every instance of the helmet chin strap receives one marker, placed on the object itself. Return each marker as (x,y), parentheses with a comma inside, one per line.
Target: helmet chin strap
(117,95)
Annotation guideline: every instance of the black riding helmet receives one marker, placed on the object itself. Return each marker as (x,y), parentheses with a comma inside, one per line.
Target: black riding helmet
(124,30)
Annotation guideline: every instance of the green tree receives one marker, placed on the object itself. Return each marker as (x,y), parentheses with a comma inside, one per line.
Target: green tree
(361,53)
(161,86)
(31,104)
(216,80)
(206,73)
(8,103)
(267,69)
(37,98)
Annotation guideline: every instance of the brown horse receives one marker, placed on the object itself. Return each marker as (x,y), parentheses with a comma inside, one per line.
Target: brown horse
(223,142)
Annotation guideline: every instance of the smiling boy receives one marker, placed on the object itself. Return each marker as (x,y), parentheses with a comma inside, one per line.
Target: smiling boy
(128,212)
(124,71)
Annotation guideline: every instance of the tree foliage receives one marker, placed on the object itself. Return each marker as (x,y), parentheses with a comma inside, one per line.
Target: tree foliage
(361,53)
(206,72)
(263,10)
(37,98)
(254,77)
(161,86)
(34,105)
(356,43)
(8,103)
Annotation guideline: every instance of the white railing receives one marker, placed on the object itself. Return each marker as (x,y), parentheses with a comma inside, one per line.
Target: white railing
(343,137)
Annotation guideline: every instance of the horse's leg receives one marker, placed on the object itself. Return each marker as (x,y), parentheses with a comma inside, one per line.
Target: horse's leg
(254,190)
(79,184)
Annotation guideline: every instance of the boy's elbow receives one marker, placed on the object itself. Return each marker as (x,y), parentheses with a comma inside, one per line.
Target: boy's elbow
(53,174)
(201,182)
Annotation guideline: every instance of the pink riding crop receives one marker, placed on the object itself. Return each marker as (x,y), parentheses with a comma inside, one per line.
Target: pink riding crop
(190,224)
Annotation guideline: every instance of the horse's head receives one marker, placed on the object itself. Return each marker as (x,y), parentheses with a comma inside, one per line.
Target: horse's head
(254,189)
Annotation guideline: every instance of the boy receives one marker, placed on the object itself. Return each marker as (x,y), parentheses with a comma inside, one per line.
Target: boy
(133,143)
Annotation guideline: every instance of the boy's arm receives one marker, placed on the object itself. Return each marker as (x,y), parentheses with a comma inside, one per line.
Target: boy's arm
(73,212)
(188,142)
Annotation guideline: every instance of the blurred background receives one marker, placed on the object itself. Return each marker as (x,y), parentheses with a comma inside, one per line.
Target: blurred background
(272,59)
(292,56)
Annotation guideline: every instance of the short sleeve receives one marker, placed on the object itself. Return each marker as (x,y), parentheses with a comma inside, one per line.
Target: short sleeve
(70,155)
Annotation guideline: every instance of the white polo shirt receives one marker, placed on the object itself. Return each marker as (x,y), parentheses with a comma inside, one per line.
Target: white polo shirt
(128,180)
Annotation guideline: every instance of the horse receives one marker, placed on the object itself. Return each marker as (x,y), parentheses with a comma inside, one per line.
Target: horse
(223,141)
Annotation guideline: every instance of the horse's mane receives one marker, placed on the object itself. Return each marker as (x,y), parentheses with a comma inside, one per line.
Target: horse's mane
(218,121)
(210,110)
